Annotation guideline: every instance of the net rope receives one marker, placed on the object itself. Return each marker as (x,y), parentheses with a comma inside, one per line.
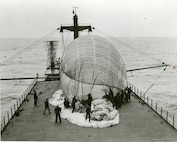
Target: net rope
(90,57)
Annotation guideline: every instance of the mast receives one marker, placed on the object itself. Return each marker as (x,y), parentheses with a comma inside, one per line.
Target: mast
(53,68)
(76,28)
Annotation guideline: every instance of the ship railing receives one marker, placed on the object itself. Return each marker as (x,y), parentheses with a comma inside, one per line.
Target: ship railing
(165,140)
(154,105)
(15,107)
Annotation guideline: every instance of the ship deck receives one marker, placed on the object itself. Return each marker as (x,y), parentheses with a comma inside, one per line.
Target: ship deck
(138,123)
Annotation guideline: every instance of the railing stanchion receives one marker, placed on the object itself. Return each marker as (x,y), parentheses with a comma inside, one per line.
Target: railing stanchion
(151,103)
(4,120)
(147,100)
(154,106)
(167,116)
(11,111)
(140,94)
(17,104)
(173,121)
(19,100)
(132,87)
(8,116)
(14,108)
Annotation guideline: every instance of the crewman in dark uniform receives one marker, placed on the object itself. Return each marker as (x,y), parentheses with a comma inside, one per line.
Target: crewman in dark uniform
(73,103)
(66,103)
(57,113)
(111,97)
(88,111)
(117,100)
(46,104)
(122,96)
(35,98)
(89,100)
(129,93)
(126,95)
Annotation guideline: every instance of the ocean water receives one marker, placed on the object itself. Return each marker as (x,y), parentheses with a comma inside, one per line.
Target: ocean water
(20,59)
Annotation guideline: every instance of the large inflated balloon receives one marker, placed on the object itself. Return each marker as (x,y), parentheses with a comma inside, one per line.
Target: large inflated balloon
(91,64)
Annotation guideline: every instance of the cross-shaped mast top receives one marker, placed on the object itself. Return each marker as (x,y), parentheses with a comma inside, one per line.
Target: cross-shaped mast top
(76,28)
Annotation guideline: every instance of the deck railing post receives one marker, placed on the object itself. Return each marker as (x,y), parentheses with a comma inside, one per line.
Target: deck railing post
(154,105)
(14,108)
(8,117)
(147,100)
(132,87)
(4,120)
(11,111)
(140,94)
(17,104)
(19,100)
(173,121)
(24,96)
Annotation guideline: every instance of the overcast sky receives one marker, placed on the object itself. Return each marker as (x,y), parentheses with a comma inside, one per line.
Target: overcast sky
(36,18)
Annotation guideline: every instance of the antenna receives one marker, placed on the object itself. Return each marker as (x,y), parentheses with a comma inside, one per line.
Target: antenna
(74,9)
(75,28)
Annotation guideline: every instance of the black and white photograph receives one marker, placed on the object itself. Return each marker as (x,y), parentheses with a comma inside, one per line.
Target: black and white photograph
(88,70)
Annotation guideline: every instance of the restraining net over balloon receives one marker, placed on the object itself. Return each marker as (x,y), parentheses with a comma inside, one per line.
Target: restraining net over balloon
(91,64)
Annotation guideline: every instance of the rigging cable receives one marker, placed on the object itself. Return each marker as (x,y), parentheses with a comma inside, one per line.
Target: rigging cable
(150,67)
(154,82)
(63,43)
(127,45)
(21,51)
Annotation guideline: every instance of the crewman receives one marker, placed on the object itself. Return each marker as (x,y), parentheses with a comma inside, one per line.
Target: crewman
(73,103)
(126,95)
(35,98)
(57,113)
(122,96)
(117,100)
(46,104)
(88,111)
(66,103)
(89,100)
(111,97)
(129,93)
